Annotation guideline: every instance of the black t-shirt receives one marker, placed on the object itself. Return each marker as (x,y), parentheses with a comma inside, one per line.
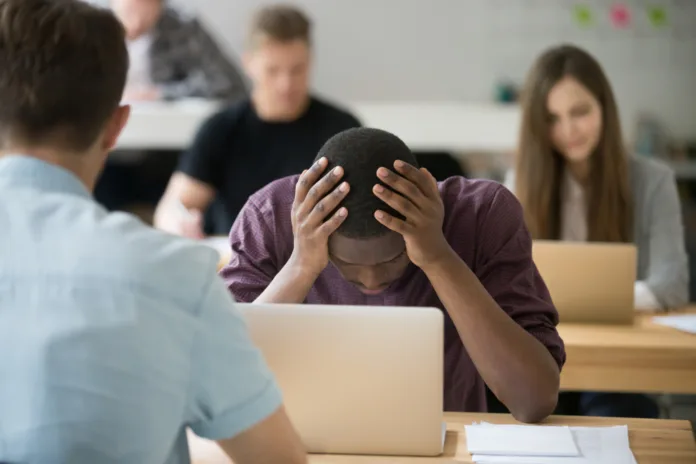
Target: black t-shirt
(237,153)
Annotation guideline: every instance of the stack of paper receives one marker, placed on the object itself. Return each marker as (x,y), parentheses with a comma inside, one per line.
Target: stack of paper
(530,444)
(685,322)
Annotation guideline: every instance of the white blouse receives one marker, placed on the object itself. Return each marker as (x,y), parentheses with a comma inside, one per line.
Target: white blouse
(574,228)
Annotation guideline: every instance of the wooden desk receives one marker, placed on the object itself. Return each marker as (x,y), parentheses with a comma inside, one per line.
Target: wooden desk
(652,441)
(645,358)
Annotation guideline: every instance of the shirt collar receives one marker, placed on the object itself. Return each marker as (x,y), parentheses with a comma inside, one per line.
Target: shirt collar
(19,171)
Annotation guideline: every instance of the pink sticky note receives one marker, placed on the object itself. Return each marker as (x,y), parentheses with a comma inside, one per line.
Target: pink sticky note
(620,15)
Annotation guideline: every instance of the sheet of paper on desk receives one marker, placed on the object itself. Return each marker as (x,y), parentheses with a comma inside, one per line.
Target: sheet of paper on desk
(684,322)
(520,440)
(596,445)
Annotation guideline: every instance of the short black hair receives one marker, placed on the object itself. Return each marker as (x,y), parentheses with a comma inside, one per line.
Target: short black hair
(360,152)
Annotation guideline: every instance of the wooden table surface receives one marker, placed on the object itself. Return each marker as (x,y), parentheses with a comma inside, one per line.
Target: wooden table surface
(652,442)
(644,357)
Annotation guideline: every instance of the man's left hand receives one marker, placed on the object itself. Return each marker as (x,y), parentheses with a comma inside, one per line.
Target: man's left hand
(419,201)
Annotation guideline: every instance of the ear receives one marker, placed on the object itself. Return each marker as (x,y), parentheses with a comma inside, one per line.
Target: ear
(114,127)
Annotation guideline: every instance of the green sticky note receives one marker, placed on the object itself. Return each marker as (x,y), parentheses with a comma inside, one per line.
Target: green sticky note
(583,15)
(657,16)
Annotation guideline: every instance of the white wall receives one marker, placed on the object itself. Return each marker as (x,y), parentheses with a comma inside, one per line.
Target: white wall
(444,50)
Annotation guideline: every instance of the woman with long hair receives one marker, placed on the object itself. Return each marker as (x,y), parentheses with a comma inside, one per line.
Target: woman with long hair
(577,182)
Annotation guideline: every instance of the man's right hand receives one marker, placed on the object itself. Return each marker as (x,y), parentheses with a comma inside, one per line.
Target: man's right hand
(316,198)
(182,221)
(191,224)
(180,211)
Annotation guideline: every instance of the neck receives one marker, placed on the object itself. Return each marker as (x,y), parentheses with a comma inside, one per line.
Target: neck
(82,165)
(580,171)
(270,113)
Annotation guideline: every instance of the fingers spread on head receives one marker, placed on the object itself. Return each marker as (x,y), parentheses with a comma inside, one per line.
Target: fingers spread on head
(432,182)
(329,203)
(401,185)
(319,190)
(419,178)
(308,178)
(398,202)
(392,223)
(324,186)
(333,223)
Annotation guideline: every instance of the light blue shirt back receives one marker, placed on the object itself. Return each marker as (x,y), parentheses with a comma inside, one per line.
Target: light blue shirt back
(114,337)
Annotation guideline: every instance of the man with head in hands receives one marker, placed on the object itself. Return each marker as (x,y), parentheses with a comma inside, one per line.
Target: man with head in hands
(115,338)
(364,225)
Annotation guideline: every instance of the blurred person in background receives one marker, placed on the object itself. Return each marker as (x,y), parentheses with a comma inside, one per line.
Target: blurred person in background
(116,338)
(172,57)
(577,182)
(275,133)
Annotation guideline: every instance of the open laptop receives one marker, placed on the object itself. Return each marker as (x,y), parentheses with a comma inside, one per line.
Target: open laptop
(589,282)
(357,379)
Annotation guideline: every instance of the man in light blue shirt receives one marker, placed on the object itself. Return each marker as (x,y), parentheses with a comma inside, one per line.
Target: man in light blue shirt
(115,338)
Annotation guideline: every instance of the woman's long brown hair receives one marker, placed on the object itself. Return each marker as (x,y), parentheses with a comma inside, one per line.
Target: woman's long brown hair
(539,168)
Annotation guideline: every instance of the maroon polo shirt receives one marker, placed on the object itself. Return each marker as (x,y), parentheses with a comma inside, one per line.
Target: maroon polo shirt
(483,224)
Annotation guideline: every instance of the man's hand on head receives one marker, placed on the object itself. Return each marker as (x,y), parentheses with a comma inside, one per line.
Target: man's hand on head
(312,224)
(418,199)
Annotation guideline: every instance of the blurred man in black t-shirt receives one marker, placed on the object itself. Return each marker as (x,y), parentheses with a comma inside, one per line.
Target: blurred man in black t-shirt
(275,133)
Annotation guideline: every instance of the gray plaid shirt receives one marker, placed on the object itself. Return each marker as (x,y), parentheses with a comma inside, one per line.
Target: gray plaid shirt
(187,62)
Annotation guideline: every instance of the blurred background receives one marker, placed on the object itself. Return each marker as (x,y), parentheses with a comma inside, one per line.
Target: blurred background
(445,74)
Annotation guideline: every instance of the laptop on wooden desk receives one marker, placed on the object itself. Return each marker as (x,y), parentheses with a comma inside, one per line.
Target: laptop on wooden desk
(357,379)
(589,282)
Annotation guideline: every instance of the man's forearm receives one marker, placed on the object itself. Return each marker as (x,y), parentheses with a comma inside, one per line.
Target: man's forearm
(290,285)
(514,364)
(165,216)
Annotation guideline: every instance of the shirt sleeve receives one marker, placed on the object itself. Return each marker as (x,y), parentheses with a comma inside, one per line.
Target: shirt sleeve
(204,160)
(255,259)
(210,73)
(231,387)
(668,272)
(505,267)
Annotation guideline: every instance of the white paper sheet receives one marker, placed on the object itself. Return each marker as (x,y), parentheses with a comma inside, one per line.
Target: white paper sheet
(520,440)
(684,322)
(596,445)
